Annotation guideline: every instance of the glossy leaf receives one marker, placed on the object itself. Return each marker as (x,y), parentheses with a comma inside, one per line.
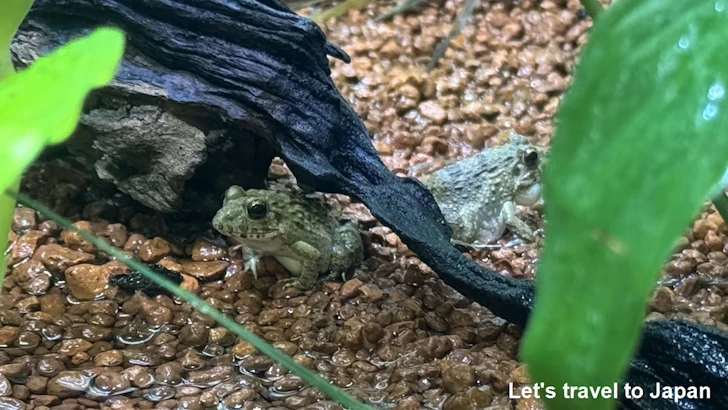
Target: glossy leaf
(640,142)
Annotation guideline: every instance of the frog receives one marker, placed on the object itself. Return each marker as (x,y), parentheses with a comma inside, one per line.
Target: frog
(299,231)
(478,195)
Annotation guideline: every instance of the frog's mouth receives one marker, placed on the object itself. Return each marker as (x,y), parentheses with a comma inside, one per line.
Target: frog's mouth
(254,236)
(265,243)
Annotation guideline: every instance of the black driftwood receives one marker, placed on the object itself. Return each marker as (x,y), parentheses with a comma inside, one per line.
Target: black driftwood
(259,73)
(243,80)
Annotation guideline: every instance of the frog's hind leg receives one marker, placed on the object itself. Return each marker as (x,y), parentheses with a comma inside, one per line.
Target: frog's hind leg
(347,251)
(304,267)
(515,224)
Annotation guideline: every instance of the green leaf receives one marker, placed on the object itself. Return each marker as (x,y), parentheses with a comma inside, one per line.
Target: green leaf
(640,142)
(196,302)
(42,104)
(12,15)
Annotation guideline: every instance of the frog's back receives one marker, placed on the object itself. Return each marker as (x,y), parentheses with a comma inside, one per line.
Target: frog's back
(476,178)
(472,191)
(304,214)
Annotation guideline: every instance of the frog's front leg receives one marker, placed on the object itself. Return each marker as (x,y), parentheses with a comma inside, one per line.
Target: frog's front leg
(250,261)
(304,264)
(477,245)
(514,223)
(347,250)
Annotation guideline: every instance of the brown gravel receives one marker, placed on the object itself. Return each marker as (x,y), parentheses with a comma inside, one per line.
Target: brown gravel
(392,334)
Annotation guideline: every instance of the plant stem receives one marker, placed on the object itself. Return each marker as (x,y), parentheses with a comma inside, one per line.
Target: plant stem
(720,202)
(7,207)
(336,11)
(329,389)
(593,7)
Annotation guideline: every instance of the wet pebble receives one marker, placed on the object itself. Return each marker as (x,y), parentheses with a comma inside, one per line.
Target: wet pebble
(36,384)
(23,219)
(116,233)
(49,366)
(86,281)
(371,293)
(170,373)
(16,372)
(21,392)
(9,403)
(433,112)
(158,394)
(138,376)
(194,334)
(8,335)
(473,398)
(72,347)
(58,258)
(154,249)
(211,376)
(33,277)
(350,288)
(70,383)
(6,389)
(74,240)
(25,246)
(205,271)
(456,376)
(109,358)
(203,251)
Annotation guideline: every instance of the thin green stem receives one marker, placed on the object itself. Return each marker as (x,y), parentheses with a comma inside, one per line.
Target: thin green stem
(593,7)
(7,206)
(196,302)
(336,11)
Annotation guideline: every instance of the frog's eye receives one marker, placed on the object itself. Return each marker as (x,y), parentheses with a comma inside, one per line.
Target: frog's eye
(257,209)
(531,158)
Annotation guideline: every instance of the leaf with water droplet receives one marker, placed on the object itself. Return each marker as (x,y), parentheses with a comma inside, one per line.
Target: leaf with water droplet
(639,144)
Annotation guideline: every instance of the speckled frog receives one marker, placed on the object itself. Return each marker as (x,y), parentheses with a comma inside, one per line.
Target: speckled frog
(298,231)
(478,195)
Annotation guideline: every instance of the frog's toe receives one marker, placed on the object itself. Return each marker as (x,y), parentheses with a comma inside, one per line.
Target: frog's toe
(291,282)
(514,242)
(252,266)
(334,276)
(480,246)
(298,284)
